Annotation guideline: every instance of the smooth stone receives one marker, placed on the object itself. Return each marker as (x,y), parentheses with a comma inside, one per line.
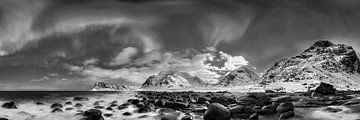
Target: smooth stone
(69,108)
(92,112)
(237,109)
(9,105)
(68,103)
(268,110)
(39,103)
(127,114)
(287,114)
(78,105)
(285,107)
(95,117)
(56,105)
(108,115)
(56,110)
(99,107)
(216,111)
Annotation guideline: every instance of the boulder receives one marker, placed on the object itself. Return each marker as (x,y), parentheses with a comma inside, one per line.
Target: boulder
(9,105)
(56,105)
(39,103)
(217,111)
(268,110)
(78,105)
(285,107)
(92,112)
(95,117)
(325,89)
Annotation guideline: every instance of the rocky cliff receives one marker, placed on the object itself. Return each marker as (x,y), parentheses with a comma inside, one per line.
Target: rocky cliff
(324,61)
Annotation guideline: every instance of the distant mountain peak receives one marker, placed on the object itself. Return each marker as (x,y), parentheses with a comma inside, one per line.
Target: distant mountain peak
(172,79)
(103,86)
(238,77)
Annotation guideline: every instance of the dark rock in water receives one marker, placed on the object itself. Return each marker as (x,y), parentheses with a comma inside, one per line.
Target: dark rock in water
(56,110)
(127,114)
(122,107)
(109,108)
(285,107)
(78,105)
(217,111)
(92,112)
(69,108)
(99,107)
(254,116)
(56,105)
(39,103)
(187,117)
(143,116)
(331,109)
(96,103)
(287,114)
(4,119)
(144,110)
(133,101)
(9,105)
(325,89)
(81,99)
(68,103)
(268,110)
(95,117)
(108,115)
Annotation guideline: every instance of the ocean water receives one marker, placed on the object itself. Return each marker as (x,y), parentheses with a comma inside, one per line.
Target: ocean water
(28,110)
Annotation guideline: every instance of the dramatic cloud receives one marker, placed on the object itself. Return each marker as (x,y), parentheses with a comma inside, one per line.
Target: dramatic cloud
(128,41)
(196,63)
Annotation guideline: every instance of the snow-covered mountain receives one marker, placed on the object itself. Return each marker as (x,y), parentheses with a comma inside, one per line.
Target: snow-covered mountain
(238,77)
(172,80)
(103,86)
(324,61)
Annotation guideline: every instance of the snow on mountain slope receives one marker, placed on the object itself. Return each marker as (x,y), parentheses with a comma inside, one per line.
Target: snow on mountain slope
(103,86)
(172,80)
(324,61)
(239,77)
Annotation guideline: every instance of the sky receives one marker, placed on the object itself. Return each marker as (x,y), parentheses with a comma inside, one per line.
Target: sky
(71,44)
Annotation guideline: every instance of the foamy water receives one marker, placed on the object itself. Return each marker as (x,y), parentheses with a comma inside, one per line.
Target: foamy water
(28,110)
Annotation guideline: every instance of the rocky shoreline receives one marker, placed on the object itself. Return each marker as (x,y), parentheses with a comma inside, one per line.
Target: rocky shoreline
(211,105)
